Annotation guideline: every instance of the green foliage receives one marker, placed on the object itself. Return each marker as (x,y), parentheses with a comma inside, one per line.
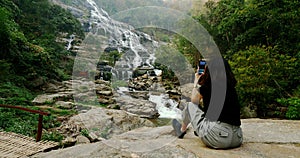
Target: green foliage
(111,57)
(12,122)
(167,73)
(236,24)
(158,34)
(56,112)
(10,36)
(52,136)
(293,105)
(28,46)
(105,132)
(15,95)
(188,50)
(169,58)
(4,71)
(29,56)
(85,132)
(263,76)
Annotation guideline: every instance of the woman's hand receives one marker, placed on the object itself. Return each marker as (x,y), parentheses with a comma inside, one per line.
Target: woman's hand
(197,78)
(195,97)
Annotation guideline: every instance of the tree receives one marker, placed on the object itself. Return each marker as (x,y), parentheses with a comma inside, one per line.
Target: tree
(236,25)
(263,76)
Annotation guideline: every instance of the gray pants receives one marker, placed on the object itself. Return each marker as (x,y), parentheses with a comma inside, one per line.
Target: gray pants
(213,134)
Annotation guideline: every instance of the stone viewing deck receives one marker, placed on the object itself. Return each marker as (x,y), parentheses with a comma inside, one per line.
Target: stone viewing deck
(263,138)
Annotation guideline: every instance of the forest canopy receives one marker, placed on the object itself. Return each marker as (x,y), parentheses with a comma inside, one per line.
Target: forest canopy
(29,52)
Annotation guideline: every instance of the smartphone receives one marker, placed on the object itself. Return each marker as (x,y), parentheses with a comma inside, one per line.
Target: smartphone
(202,64)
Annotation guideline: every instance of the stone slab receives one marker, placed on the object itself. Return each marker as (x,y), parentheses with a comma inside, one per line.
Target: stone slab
(263,139)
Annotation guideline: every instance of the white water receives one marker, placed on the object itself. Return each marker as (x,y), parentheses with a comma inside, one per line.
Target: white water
(122,37)
(166,107)
(166,112)
(70,40)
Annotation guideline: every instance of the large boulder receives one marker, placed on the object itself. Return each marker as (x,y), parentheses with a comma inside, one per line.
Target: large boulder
(143,108)
(104,123)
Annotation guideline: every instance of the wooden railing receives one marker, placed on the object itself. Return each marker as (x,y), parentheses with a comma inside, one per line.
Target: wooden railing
(41,114)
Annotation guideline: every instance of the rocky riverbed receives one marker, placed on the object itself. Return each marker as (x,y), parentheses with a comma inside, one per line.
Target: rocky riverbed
(129,131)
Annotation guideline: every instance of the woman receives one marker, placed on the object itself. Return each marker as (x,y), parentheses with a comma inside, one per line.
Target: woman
(218,123)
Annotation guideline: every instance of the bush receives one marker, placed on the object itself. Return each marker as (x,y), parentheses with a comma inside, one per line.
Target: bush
(263,76)
(293,105)
(14,95)
(52,136)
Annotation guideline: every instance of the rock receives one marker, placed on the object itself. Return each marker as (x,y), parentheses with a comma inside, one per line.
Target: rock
(69,130)
(134,141)
(80,90)
(143,108)
(64,105)
(50,98)
(262,138)
(52,88)
(144,142)
(37,82)
(82,140)
(271,131)
(94,138)
(105,122)
(69,141)
(186,91)
(106,100)
(143,95)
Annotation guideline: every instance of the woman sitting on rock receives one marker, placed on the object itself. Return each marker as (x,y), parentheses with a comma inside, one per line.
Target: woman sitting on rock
(218,122)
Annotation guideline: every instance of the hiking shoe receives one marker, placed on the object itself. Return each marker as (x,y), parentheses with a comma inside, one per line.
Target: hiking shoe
(177,127)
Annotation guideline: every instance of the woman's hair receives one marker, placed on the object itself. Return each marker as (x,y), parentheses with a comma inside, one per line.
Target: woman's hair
(220,71)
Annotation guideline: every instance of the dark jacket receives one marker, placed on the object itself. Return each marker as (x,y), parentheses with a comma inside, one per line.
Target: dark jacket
(229,112)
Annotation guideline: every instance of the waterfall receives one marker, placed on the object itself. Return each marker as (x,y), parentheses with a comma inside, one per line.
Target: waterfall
(123,38)
(70,40)
(106,35)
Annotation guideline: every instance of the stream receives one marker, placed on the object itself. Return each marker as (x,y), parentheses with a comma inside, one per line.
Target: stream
(167,108)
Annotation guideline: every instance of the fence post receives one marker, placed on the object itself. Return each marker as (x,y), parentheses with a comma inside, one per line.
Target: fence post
(40,128)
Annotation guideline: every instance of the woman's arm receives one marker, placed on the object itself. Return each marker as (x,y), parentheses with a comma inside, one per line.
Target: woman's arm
(196,96)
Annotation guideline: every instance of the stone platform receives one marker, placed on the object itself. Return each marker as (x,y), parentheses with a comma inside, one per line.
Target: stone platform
(262,139)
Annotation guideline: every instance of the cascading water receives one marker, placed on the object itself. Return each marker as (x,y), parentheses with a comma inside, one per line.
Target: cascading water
(166,107)
(137,47)
(70,40)
(123,39)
